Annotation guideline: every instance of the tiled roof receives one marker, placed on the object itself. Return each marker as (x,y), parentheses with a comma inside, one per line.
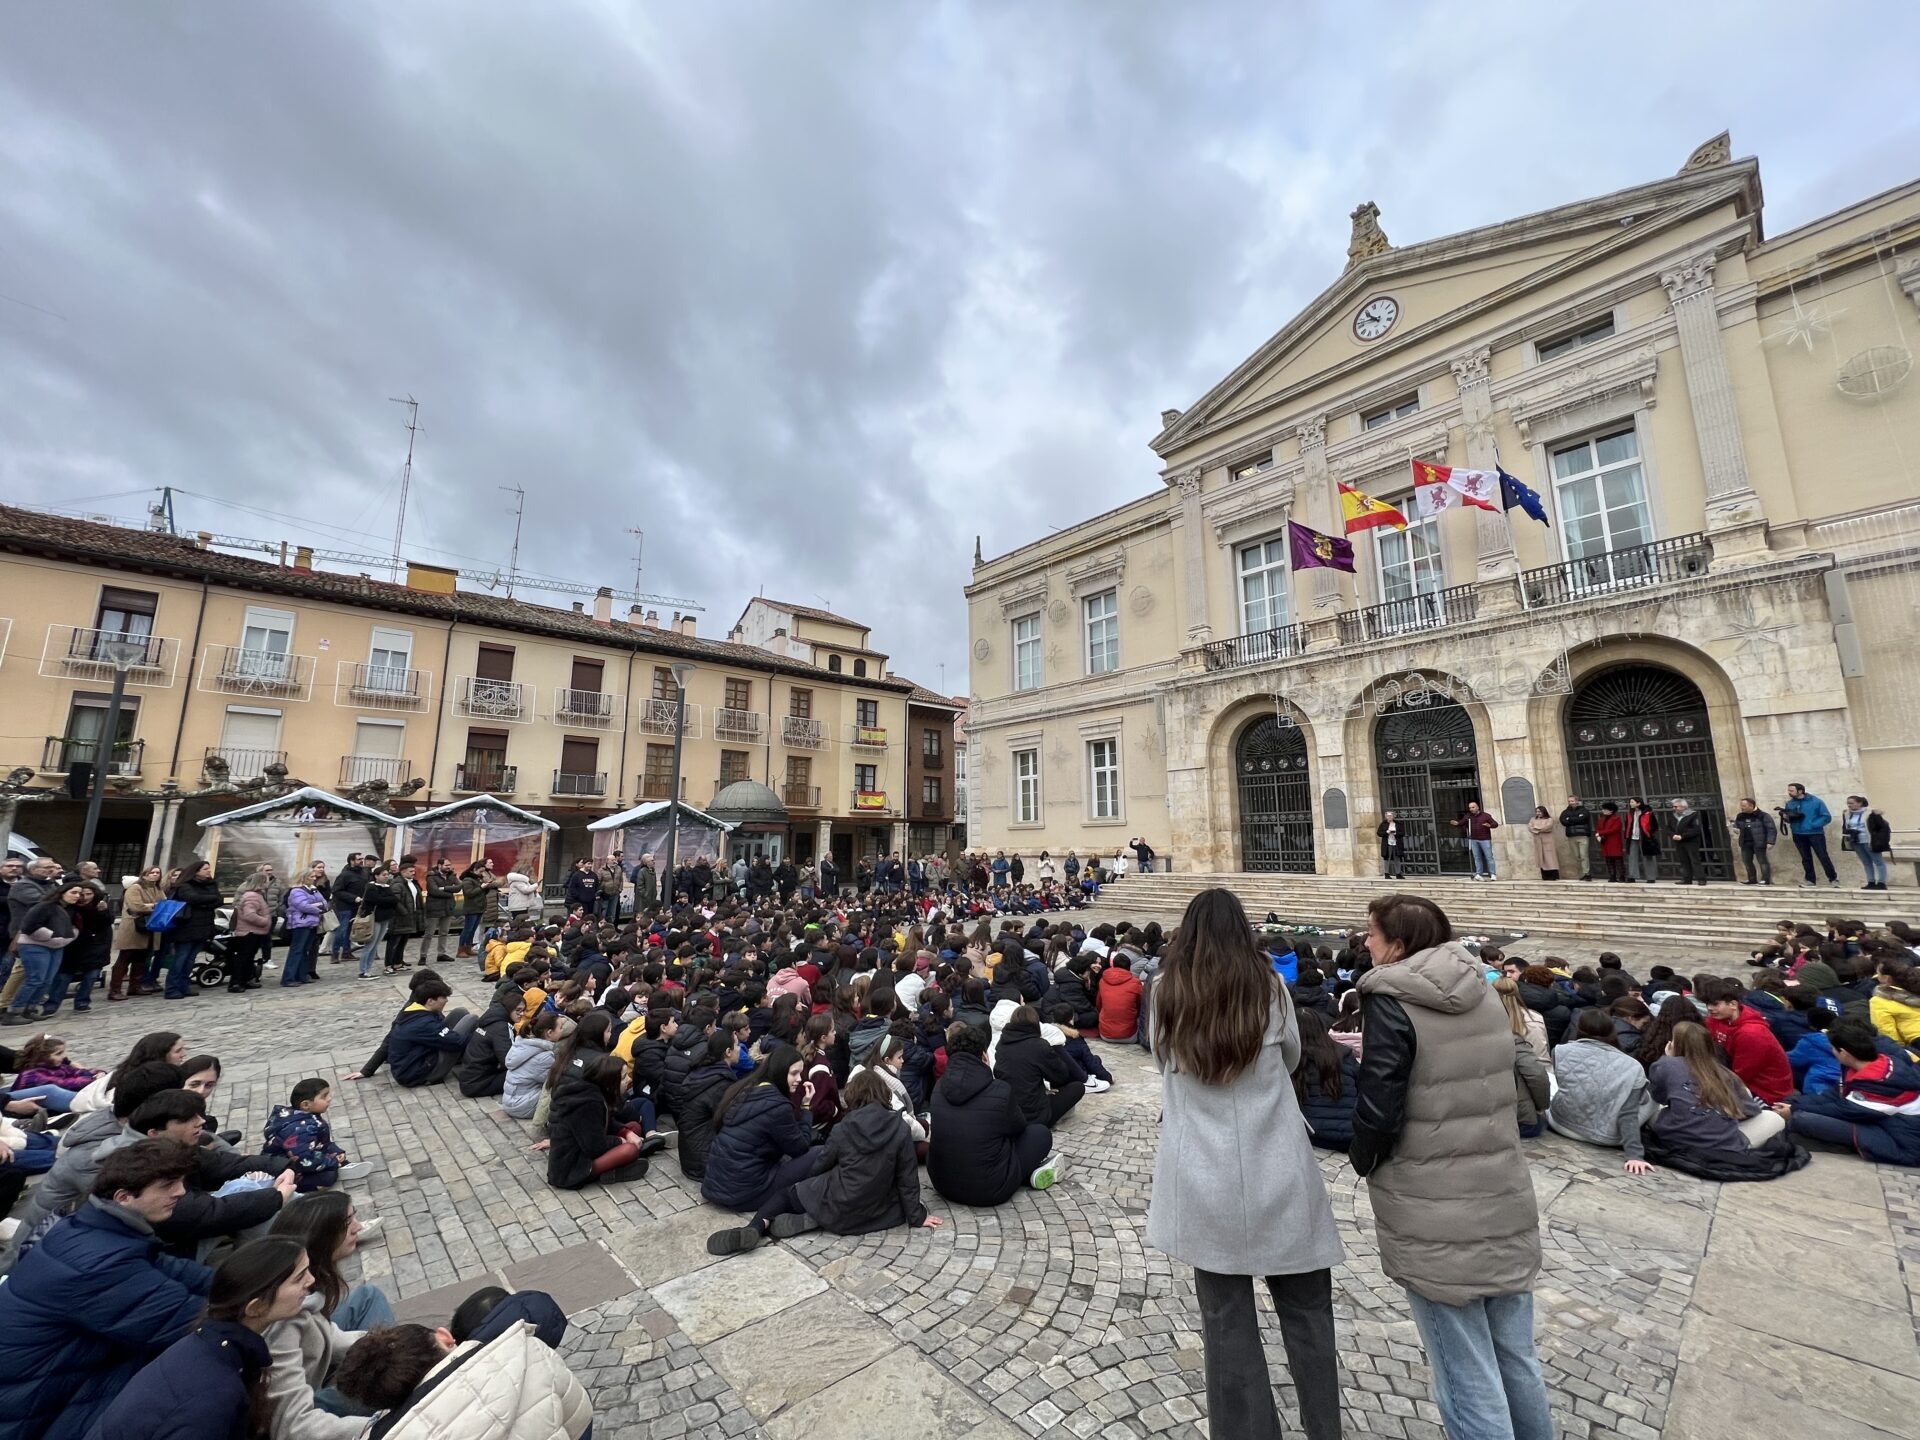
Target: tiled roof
(87,541)
(811,612)
(923,696)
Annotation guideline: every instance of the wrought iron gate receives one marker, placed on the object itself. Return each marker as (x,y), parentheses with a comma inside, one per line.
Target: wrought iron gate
(1640,730)
(1429,769)
(1276,798)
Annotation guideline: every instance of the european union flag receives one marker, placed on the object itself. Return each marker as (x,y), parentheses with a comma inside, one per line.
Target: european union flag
(1513,493)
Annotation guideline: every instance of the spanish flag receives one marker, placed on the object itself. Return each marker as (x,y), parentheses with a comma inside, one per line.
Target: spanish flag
(1363,512)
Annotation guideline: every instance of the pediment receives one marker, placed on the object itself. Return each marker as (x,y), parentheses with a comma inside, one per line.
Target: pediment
(1439,284)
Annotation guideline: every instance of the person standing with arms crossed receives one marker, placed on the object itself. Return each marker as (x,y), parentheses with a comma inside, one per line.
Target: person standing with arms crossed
(1806,818)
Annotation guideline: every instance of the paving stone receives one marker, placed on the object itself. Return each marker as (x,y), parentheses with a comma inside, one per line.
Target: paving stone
(718,1301)
(904,1397)
(776,1363)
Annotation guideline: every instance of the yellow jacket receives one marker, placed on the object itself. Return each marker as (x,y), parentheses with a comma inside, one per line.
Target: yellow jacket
(623,1047)
(503,955)
(1897,1019)
(533,997)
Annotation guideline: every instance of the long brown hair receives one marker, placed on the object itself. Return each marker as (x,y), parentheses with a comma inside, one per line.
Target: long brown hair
(1509,993)
(1215,992)
(1712,1081)
(1674,1011)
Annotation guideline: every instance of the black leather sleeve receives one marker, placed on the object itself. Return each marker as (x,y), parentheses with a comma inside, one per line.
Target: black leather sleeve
(1386,1065)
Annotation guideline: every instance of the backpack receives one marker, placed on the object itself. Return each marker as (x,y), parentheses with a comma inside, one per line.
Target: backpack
(164,916)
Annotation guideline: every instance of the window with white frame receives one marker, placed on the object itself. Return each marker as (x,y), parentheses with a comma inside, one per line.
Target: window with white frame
(1103,632)
(389,657)
(1103,770)
(1026,787)
(266,638)
(1601,494)
(1387,414)
(1026,653)
(1263,586)
(1572,340)
(1409,559)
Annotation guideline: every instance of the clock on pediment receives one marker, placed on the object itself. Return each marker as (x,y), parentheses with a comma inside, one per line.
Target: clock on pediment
(1376,317)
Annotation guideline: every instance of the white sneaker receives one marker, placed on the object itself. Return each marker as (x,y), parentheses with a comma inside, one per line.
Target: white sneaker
(7,1229)
(1097,1086)
(1049,1173)
(370,1230)
(358,1170)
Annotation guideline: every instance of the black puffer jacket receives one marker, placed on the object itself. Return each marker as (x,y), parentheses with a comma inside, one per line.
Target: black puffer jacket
(1071,989)
(650,1067)
(1314,997)
(196,922)
(699,1094)
(1332,1119)
(1031,1066)
(581,1129)
(867,1179)
(483,1068)
(1551,1006)
(675,1066)
(763,1128)
(976,1120)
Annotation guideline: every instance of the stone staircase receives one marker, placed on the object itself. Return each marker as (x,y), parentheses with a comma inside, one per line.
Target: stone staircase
(1717,917)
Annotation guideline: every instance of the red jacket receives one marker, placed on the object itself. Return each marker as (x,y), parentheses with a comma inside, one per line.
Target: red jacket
(1754,1054)
(1118,1002)
(1611,832)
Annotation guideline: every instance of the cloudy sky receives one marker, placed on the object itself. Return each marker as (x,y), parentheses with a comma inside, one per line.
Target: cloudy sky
(813,293)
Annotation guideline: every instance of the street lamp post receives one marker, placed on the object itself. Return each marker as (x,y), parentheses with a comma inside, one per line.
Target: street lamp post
(682,672)
(120,651)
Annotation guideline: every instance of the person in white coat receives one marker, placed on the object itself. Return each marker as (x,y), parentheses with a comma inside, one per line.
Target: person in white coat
(425,1386)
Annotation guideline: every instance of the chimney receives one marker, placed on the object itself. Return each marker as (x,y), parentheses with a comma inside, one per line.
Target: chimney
(674,624)
(636,616)
(579,607)
(203,540)
(603,606)
(303,557)
(686,626)
(434,579)
(653,619)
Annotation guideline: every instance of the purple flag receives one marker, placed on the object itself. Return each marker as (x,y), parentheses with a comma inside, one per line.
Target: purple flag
(1310,549)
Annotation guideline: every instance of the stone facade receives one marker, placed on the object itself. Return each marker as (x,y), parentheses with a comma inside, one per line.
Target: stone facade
(1715,608)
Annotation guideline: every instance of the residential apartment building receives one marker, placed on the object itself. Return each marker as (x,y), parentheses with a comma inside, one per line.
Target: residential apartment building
(407,694)
(1723,429)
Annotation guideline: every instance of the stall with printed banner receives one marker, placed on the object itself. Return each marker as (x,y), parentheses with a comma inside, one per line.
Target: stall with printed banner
(643,831)
(290,833)
(481,827)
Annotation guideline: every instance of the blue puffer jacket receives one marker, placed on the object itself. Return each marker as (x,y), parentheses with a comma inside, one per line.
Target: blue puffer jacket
(81,1313)
(1332,1120)
(197,1390)
(761,1130)
(1789,1026)
(416,1041)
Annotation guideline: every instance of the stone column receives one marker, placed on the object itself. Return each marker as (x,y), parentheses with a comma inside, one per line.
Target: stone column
(1336,849)
(9,812)
(898,844)
(822,840)
(1493,538)
(1199,628)
(1329,593)
(156,830)
(1735,520)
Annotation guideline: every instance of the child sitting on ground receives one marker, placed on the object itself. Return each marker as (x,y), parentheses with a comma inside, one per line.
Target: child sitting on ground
(299,1131)
(1816,1069)
(1099,1078)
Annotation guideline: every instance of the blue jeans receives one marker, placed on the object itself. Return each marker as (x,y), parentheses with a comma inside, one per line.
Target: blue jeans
(365,1308)
(41,964)
(342,941)
(38,1157)
(179,967)
(640,1108)
(301,946)
(1874,865)
(1486,1374)
(468,925)
(1482,851)
(63,981)
(373,946)
(57,1100)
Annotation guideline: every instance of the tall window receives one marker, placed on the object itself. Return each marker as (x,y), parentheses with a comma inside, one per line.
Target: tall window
(663,686)
(930,790)
(1103,632)
(1263,586)
(389,657)
(656,782)
(1410,558)
(1026,653)
(1026,787)
(800,704)
(866,777)
(929,747)
(866,714)
(739,694)
(859,669)
(1103,766)
(1387,414)
(486,759)
(733,766)
(127,612)
(87,732)
(799,778)
(833,663)
(1601,494)
(265,639)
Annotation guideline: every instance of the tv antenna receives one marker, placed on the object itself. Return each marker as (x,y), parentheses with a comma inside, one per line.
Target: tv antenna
(519,508)
(406,476)
(639,552)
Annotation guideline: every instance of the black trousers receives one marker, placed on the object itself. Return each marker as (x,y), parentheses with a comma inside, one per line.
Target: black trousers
(1063,1100)
(1239,1389)
(1686,854)
(1810,846)
(244,956)
(1748,856)
(464,1024)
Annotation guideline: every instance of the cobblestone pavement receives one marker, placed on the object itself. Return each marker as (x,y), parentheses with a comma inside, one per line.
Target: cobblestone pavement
(1666,1306)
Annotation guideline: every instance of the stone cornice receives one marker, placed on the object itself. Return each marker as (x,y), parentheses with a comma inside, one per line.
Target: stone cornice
(1100,572)
(1028,594)
(1535,395)
(1373,452)
(1250,504)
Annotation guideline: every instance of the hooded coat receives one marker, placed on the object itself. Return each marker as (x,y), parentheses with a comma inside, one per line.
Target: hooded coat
(1071,989)
(763,1128)
(976,1120)
(483,1068)
(1119,1004)
(1896,1015)
(581,1128)
(196,1390)
(1032,1067)
(867,1178)
(1434,1132)
(514,1387)
(528,1062)
(699,1096)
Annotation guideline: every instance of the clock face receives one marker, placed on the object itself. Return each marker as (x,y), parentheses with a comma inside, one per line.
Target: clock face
(1376,317)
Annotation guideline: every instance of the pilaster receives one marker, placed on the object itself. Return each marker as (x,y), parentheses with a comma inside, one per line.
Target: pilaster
(1735,521)
(1496,564)
(1330,594)
(1199,626)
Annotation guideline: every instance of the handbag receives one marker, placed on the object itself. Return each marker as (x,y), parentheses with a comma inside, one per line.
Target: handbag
(163,917)
(362,930)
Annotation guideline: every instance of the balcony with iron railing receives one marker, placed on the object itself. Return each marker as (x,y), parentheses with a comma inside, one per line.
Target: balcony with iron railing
(239,762)
(478,698)
(485,778)
(1256,649)
(1430,611)
(1633,567)
(357,770)
(800,797)
(659,717)
(867,737)
(239,670)
(568,782)
(382,687)
(63,752)
(594,709)
(658,787)
(737,724)
(800,732)
(72,651)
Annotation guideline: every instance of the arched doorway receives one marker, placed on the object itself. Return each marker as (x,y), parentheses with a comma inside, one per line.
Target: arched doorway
(1429,769)
(1276,797)
(1643,730)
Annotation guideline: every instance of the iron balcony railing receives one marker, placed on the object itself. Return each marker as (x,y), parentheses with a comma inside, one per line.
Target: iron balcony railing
(584,707)
(803,733)
(1430,611)
(867,737)
(90,652)
(1661,562)
(239,670)
(476,778)
(63,752)
(391,686)
(365,769)
(242,762)
(479,698)
(566,782)
(737,724)
(1256,649)
(800,797)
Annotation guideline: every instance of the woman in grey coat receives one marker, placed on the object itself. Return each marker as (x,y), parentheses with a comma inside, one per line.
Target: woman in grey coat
(1237,1191)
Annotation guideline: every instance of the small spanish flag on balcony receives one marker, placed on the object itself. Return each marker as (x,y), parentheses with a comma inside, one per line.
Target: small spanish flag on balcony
(1363,512)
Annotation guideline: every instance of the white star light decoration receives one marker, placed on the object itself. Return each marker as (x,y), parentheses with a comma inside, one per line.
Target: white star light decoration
(1804,324)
